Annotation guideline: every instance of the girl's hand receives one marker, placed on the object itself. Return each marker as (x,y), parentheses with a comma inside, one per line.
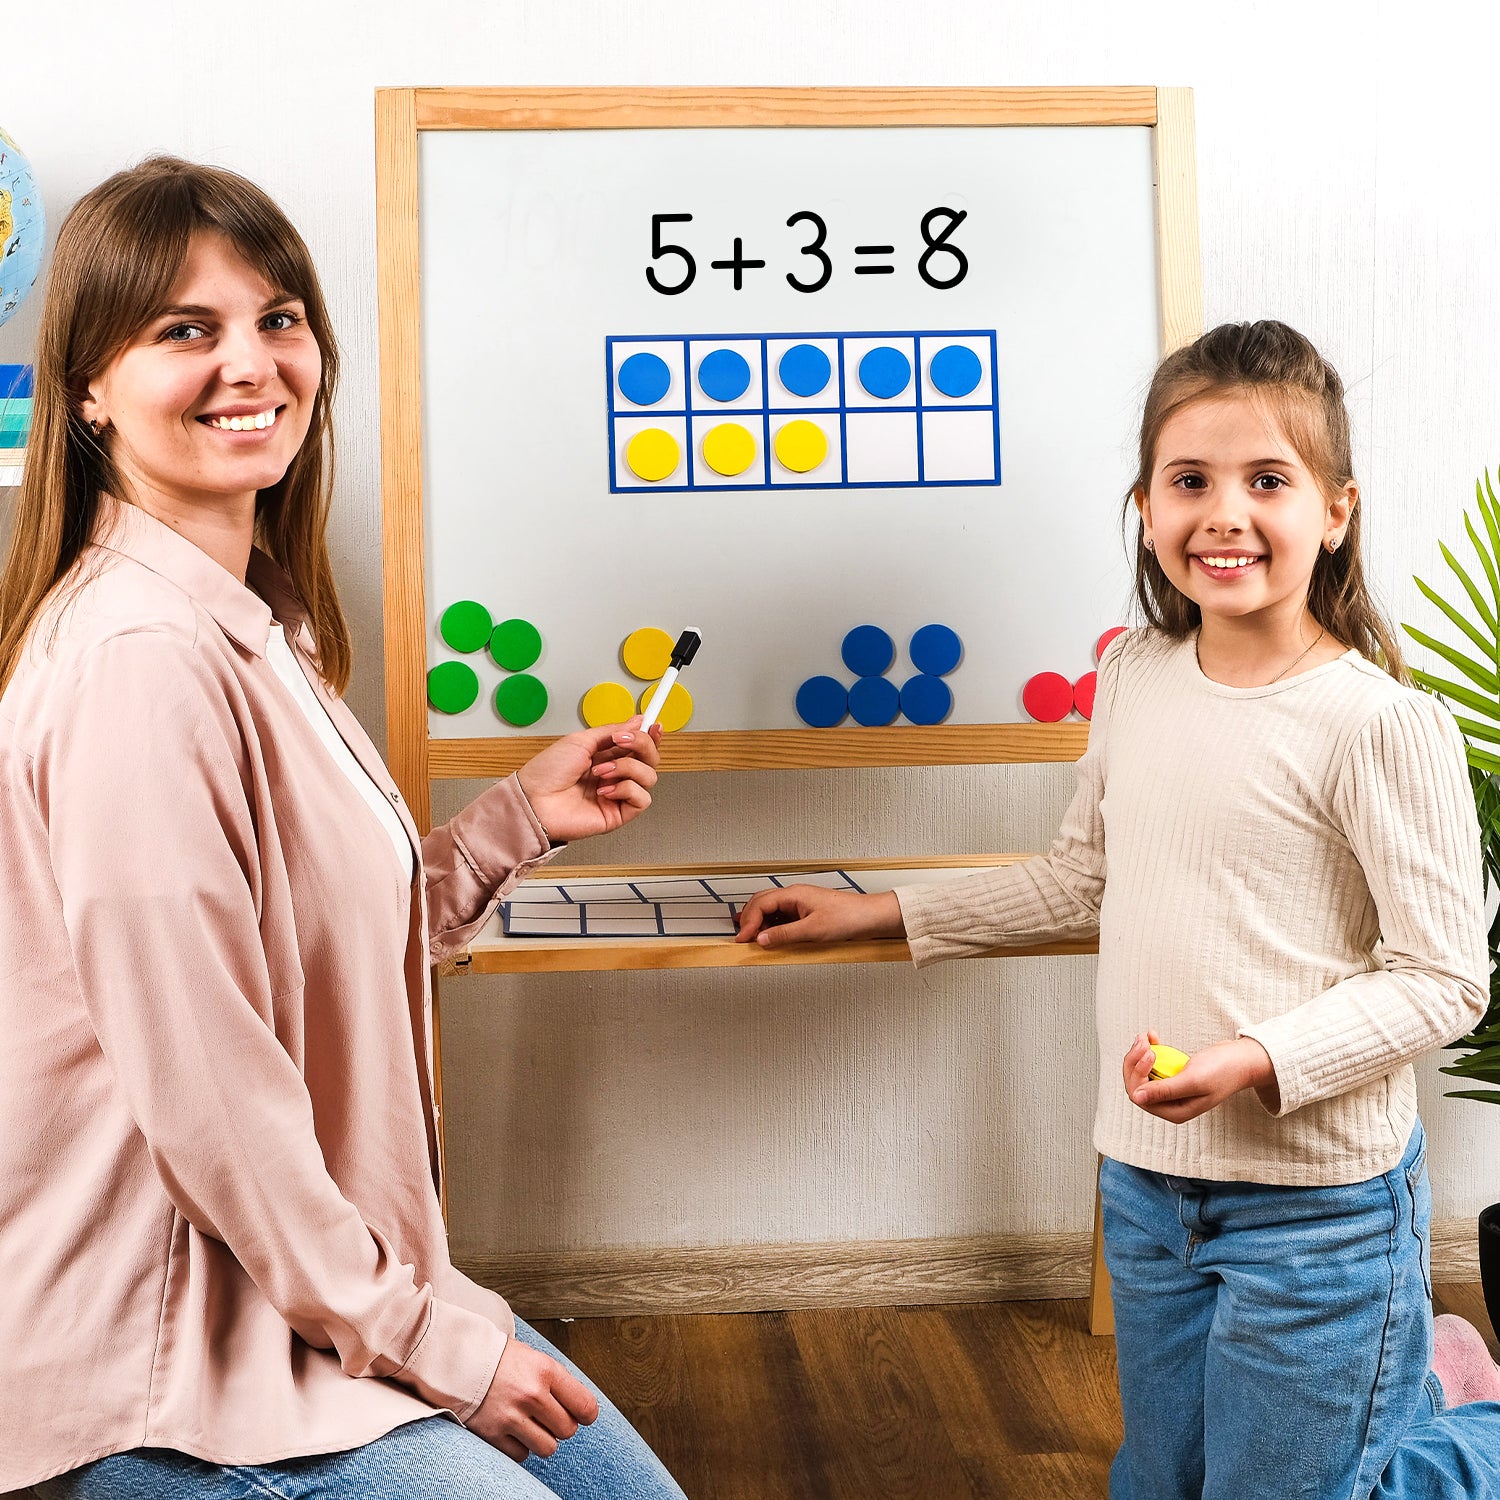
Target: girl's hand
(811,914)
(532,1405)
(1212,1075)
(593,781)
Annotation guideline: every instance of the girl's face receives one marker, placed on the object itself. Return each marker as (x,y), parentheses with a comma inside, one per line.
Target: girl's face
(211,400)
(1236,517)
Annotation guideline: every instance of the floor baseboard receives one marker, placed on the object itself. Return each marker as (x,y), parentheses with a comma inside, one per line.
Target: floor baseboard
(1455,1250)
(762,1278)
(878,1273)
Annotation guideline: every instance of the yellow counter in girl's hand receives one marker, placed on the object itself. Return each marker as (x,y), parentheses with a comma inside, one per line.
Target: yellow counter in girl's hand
(1169,1062)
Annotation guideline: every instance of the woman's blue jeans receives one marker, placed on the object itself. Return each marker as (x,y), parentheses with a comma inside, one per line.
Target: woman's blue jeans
(434,1459)
(1274,1343)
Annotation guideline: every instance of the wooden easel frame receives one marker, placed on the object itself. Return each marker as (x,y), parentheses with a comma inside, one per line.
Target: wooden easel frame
(400,117)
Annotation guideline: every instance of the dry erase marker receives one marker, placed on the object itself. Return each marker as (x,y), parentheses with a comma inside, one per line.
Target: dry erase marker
(682,653)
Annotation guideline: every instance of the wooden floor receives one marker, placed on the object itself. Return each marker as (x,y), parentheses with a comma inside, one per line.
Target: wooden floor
(973,1402)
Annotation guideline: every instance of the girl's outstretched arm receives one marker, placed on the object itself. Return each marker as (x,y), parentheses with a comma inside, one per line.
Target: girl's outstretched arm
(1055,896)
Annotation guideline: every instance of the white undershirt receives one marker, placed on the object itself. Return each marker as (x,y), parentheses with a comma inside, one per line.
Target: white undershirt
(279,654)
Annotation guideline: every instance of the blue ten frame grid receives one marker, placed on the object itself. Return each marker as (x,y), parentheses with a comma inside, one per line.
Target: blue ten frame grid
(566,908)
(702,409)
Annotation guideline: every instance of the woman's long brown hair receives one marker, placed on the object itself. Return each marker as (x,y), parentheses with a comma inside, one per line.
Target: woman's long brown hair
(1270,362)
(117,257)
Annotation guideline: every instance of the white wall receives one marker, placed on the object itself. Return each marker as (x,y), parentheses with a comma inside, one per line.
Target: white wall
(1347,158)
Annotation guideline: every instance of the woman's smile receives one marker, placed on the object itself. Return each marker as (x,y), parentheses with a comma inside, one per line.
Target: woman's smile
(250,419)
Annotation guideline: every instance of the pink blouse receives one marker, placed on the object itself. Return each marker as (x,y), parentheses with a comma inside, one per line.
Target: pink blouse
(219,1224)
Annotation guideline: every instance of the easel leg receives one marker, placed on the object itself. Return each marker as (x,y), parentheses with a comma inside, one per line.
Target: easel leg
(437,1096)
(1101,1307)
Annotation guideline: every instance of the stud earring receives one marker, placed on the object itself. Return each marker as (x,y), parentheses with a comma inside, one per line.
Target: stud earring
(95,426)
(1333,543)
(1149,545)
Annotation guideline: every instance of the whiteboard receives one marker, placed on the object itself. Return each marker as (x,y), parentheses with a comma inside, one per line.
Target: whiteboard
(535,247)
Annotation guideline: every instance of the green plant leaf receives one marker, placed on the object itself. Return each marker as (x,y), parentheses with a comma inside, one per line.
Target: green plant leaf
(1481,676)
(1486,561)
(1478,730)
(1478,1054)
(1491,514)
(1486,797)
(1487,644)
(1485,1037)
(1466,696)
(1481,1065)
(1486,613)
(1486,1056)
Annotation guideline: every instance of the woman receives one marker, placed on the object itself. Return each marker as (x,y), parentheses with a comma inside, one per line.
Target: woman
(224,1262)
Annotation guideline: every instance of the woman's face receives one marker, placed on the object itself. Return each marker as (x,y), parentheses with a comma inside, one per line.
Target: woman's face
(211,400)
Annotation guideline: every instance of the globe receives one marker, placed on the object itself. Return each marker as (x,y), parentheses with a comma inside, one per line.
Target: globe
(23,227)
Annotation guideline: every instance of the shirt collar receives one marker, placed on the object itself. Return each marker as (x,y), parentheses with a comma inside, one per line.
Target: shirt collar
(243,614)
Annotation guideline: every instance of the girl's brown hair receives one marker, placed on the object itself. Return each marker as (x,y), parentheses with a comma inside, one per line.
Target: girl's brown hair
(117,257)
(1268,362)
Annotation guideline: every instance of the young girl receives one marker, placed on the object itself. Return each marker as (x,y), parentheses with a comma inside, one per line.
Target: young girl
(1262,802)
(223,1262)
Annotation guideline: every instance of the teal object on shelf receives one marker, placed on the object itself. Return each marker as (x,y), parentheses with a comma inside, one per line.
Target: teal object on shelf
(15,405)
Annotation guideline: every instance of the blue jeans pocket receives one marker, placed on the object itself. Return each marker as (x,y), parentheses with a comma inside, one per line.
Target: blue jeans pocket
(1421,1211)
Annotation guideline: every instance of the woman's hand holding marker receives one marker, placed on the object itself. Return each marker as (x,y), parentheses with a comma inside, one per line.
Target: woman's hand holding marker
(592,781)
(1172,1086)
(811,914)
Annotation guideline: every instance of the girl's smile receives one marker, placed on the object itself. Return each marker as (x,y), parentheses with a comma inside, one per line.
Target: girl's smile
(1224,566)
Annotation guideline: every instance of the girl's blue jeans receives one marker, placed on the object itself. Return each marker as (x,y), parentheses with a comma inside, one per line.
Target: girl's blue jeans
(1275,1343)
(433,1459)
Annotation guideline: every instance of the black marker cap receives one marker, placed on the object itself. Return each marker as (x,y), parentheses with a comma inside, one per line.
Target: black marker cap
(686,648)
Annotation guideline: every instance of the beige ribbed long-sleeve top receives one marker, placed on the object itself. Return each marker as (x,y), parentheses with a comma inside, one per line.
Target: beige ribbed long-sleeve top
(1296,863)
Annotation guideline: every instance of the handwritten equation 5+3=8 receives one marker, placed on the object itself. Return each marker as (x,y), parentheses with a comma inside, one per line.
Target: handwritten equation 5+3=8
(948,272)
